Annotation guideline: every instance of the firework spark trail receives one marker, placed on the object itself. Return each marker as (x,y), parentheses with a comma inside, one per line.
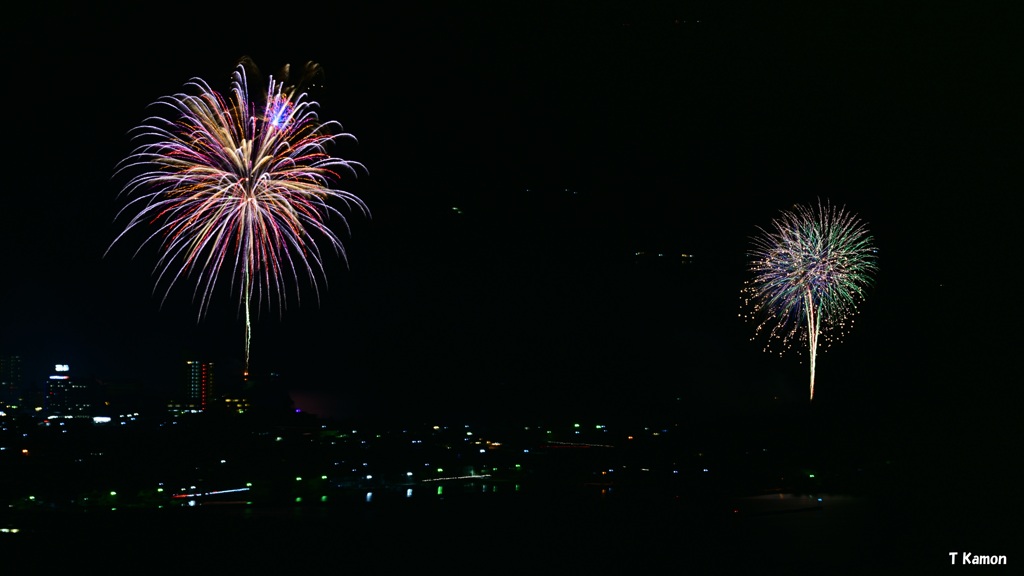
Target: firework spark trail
(232,185)
(811,271)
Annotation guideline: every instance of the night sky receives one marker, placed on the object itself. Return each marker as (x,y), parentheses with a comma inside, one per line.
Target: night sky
(519,156)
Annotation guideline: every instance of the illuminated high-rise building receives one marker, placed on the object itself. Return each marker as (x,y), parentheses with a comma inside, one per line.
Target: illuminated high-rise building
(11,384)
(199,394)
(66,395)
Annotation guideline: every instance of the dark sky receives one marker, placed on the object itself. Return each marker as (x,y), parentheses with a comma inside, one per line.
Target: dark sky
(569,136)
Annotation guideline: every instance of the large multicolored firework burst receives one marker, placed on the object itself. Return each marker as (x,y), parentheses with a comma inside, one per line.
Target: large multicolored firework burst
(811,270)
(239,188)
